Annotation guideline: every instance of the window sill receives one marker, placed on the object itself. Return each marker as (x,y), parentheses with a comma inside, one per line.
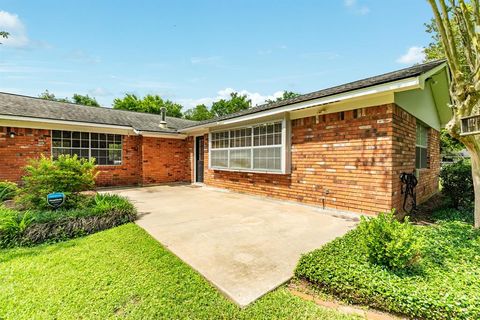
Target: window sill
(278,172)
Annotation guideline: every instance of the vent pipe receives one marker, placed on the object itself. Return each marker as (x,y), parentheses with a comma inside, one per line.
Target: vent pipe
(163,117)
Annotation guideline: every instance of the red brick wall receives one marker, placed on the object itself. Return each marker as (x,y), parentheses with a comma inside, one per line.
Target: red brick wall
(145,160)
(165,160)
(130,171)
(404,128)
(349,163)
(15,152)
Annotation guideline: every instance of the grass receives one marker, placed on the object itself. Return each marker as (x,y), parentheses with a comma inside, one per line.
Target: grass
(124,273)
(444,285)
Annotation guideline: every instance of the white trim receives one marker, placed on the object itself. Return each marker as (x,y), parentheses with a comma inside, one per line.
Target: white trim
(195,158)
(155,134)
(283,148)
(400,85)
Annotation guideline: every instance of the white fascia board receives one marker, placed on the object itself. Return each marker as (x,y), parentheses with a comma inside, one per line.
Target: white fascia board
(155,134)
(64,122)
(400,85)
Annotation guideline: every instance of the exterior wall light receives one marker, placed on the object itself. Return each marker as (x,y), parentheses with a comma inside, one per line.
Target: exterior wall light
(12,134)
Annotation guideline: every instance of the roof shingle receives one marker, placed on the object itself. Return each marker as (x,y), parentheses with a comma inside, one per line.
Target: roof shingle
(17,105)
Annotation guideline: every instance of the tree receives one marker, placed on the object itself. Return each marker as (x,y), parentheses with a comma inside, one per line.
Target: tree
(434,51)
(458,26)
(234,104)
(285,96)
(4,35)
(85,100)
(50,96)
(198,113)
(149,104)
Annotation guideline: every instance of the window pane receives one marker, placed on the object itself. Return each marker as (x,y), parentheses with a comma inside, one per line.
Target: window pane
(56,134)
(267,158)
(423,153)
(219,158)
(220,140)
(240,158)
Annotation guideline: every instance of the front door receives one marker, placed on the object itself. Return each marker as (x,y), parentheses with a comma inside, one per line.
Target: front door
(199,156)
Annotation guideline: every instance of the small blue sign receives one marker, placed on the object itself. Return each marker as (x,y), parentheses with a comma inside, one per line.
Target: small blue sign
(56,199)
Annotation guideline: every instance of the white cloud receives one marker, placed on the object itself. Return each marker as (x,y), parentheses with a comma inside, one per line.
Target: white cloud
(18,33)
(255,97)
(356,8)
(412,56)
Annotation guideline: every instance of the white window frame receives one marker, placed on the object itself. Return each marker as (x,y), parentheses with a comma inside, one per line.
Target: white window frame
(284,157)
(89,146)
(425,146)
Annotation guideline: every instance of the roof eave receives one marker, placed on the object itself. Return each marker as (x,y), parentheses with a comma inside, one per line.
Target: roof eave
(394,86)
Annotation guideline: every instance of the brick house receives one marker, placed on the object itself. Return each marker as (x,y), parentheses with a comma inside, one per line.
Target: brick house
(343,147)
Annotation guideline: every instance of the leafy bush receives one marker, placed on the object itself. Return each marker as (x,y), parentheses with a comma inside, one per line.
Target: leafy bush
(389,242)
(8,190)
(67,174)
(457,184)
(101,212)
(451,214)
(444,285)
(12,225)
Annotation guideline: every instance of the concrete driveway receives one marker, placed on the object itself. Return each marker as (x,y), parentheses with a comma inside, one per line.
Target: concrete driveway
(244,245)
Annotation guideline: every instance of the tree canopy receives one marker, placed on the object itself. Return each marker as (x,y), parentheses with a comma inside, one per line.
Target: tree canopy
(47,95)
(85,100)
(285,96)
(236,103)
(149,104)
(199,113)
(4,35)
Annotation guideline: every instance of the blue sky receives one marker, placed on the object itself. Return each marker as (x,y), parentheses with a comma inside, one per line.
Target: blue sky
(198,51)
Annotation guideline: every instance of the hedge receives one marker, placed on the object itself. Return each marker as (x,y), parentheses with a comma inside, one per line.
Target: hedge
(29,228)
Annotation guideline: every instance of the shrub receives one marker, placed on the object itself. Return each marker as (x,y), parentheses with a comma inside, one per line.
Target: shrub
(457,184)
(451,214)
(12,225)
(389,242)
(67,174)
(34,227)
(444,285)
(8,190)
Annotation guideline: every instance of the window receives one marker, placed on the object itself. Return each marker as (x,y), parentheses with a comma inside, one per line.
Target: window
(105,148)
(256,148)
(421,147)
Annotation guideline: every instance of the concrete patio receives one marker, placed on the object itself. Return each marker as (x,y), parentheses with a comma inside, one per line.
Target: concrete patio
(244,245)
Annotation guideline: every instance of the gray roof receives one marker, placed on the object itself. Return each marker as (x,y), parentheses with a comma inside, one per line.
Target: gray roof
(23,106)
(360,84)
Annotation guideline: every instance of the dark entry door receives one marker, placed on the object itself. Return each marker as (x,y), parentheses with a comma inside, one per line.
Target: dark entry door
(199,151)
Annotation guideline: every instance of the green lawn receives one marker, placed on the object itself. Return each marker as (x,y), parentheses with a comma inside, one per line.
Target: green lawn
(445,284)
(124,273)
